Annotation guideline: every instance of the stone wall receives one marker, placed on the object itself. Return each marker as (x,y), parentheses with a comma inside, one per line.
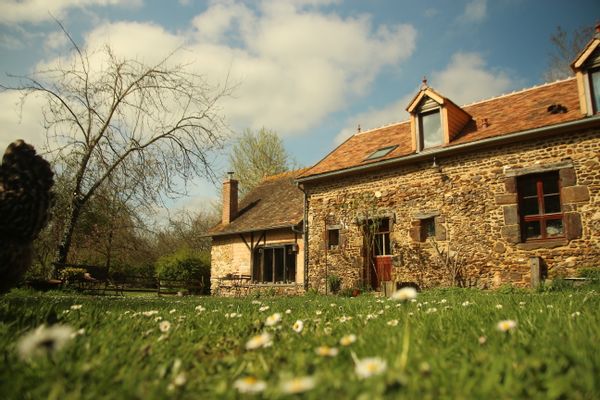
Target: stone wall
(472,198)
(231,255)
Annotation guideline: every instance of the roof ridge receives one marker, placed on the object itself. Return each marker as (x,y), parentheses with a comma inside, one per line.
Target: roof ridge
(381,127)
(518,91)
(285,174)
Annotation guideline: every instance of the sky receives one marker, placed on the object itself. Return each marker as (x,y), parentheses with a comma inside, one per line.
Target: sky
(311,70)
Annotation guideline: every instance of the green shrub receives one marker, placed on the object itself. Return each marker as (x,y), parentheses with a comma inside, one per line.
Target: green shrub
(593,274)
(70,274)
(335,283)
(185,266)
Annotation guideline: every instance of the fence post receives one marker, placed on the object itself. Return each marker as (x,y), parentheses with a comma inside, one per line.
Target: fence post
(535,263)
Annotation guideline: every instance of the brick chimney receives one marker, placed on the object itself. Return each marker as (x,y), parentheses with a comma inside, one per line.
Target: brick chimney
(230,199)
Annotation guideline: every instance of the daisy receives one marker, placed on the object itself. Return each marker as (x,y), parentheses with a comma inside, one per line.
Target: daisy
(44,340)
(298,326)
(326,351)
(406,293)
(164,326)
(76,306)
(262,340)
(273,319)
(79,332)
(347,340)
(499,306)
(318,312)
(482,339)
(180,379)
(200,308)
(575,314)
(370,366)
(466,303)
(173,311)
(149,313)
(288,311)
(298,385)
(249,384)
(257,302)
(506,325)
(263,308)
(393,322)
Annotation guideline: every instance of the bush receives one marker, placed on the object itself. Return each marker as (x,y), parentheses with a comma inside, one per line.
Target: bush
(186,267)
(335,283)
(593,274)
(70,274)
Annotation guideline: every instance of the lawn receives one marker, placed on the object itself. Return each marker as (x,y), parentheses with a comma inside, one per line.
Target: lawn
(443,344)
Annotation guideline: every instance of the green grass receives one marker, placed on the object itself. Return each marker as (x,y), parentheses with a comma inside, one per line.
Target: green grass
(552,354)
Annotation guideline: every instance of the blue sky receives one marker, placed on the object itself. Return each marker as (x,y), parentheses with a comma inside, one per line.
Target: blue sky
(312,70)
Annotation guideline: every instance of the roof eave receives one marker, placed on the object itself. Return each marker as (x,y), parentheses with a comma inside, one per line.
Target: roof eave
(451,150)
(241,232)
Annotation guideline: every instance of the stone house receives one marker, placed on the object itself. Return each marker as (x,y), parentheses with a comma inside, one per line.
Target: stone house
(479,195)
(258,245)
(505,190)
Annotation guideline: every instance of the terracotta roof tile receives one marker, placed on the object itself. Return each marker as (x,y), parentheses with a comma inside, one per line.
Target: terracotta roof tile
(511,113)
(275,202)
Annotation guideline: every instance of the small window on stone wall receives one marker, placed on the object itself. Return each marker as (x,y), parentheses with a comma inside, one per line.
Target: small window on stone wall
(540,208)
(333,237)
(425,227)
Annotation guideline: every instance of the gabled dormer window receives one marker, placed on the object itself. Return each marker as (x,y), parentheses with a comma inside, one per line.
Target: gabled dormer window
(431,133)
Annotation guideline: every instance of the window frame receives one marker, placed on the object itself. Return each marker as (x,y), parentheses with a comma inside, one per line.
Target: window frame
(591,73)
(541,217)
(333,230)
(424,225)
(259,267)
(421,133)
(382,232)
(385,151)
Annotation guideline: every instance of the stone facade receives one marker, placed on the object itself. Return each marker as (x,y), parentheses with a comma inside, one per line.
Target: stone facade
(473,200)
(231,255)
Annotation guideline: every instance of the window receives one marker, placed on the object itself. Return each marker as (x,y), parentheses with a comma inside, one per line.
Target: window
(382,237)
(540,206)
(274,264)
(595,89)
(430,129)
(333,237)
(384,151)
(427,228)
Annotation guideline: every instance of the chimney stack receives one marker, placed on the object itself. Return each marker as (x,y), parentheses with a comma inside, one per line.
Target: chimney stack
(230,199)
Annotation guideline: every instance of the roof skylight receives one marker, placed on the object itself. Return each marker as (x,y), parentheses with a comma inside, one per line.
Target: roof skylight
(382,152)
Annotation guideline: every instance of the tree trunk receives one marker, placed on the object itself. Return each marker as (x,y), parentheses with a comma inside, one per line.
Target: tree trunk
(67,237)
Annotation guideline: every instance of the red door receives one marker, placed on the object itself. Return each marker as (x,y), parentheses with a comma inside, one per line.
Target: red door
(383,266)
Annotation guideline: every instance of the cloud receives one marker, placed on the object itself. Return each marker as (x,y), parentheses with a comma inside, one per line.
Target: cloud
(475,11)
(465,79)
(35,11)
(16,125)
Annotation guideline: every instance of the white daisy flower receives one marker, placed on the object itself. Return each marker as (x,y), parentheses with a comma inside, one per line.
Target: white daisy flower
(466,303)
(326,351)
(318,312)
(298,326)
(506,325)
(44,340)
(347,340)
(273,319)
(250,384)
(180,379)
(79,332)
(76,306)
(499,306)
(370,366)
(257,302)
(288,311)
(431,310)
(164,326)
(298,385)
(393,322)
(173,311)
(262,340)
(482,339)
(263,308)
(575,314)
(149,313)
(406,293)
(200,308)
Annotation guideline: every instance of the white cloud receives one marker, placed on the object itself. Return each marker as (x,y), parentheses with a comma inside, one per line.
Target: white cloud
(475,11)
(26,126)
(35,11)
(56,40)
(465,79)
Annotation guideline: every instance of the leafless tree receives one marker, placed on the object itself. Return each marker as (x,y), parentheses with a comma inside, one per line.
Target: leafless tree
(565,48)
(109,118)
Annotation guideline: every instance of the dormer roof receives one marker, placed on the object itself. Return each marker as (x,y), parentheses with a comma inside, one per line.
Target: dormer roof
(587,51)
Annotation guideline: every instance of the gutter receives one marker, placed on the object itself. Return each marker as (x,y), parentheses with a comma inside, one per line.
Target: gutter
(287,226)
(459,148)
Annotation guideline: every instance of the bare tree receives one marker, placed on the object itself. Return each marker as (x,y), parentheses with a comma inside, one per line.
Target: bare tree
(565,48)
(119,119)
(256,155)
